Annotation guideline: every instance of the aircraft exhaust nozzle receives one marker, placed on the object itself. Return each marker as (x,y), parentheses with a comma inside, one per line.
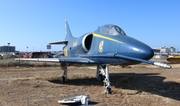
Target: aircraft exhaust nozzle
(162,65)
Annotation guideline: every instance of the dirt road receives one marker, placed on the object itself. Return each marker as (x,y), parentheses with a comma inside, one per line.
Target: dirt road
(140,85)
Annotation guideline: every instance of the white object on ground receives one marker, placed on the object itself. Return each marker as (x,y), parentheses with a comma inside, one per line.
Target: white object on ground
(82,98)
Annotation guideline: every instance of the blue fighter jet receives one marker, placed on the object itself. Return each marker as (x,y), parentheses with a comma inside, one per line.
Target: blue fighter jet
(108,45)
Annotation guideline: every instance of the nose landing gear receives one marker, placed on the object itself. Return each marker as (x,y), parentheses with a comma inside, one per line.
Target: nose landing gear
(103,75)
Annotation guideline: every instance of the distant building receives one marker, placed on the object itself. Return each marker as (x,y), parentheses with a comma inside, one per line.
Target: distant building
(172,49)
(7,49)
(164,52)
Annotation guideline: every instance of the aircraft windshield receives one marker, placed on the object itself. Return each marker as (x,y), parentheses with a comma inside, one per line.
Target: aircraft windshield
(111,30)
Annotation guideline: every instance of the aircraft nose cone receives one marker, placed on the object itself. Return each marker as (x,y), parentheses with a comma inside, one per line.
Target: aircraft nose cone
(136,49)
(146,52)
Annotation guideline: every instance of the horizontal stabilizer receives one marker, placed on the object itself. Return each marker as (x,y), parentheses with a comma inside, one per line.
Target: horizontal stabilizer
(61,42)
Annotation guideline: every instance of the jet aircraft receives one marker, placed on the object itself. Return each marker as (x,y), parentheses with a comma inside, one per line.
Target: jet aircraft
(108,45)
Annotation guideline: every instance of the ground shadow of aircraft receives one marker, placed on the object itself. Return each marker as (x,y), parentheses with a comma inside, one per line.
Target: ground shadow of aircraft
(108,45)
(142,82)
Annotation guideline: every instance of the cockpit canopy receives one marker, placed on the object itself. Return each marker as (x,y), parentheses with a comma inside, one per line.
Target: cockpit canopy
(111,30)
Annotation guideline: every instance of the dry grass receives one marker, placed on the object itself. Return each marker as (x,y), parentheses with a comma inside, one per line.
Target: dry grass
(130,86)
(11,63)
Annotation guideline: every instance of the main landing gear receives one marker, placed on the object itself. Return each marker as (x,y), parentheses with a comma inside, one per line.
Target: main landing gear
(64,77)
(102,74)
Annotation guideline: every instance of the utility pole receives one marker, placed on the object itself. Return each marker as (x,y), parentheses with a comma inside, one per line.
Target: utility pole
(8,46)
(27,49)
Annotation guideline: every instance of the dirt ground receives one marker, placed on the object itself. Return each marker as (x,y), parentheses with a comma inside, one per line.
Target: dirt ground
(139,85)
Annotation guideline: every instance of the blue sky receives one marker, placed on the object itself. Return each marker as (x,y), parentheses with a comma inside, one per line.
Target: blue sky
(34,23)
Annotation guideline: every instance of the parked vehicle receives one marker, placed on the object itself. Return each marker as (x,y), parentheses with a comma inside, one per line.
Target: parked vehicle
(38,55)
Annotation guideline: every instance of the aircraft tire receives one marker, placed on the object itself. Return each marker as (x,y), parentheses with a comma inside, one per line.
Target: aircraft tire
(101,77)
(63,79)
(108,90)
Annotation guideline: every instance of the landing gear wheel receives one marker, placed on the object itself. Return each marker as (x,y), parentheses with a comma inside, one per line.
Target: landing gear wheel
(108,90)
(63,79)
(101,77)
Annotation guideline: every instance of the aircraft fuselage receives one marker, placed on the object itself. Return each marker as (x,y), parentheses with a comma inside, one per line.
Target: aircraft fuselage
(99,44)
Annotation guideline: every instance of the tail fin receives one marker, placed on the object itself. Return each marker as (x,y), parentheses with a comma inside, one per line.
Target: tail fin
(68,32)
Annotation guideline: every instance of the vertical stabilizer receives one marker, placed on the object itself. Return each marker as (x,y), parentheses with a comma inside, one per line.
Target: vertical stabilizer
(69,36)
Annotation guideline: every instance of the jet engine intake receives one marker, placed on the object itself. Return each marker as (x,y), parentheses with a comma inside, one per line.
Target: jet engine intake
(86,42)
